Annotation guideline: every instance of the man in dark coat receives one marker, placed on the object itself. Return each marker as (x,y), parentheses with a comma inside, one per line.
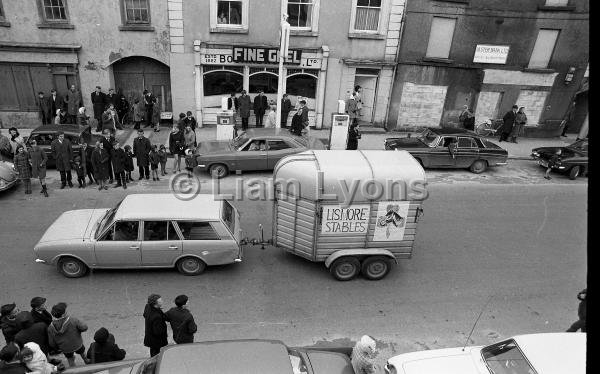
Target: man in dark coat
(31,331)
(155,331)
(182,321)
(509,122)
(104,349)
(107,141)
(73,103)
(286,107)
(260,106)
(43,109)
(232,102)
(111,98)
(149,101)
(119,160)
(141,150)
(55,102)
(10,361)
(63,154)
(244,105)
(8,322)
(98,101)
(39,312)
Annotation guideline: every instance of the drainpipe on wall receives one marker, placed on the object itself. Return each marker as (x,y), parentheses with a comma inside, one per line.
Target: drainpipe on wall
(389,103)
(320,104)
(198,83)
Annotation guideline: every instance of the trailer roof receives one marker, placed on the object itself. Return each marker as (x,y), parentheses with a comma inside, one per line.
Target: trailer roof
(338,173)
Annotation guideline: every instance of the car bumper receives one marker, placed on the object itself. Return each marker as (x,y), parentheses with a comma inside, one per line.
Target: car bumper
(8,185)
(40,261)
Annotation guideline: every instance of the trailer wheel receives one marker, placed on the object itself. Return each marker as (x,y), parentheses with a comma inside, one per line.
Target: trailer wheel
(345,268)
(376,267)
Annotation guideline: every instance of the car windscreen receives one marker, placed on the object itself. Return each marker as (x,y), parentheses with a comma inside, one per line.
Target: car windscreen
(107,219)
(240,141)
(428,138)
(506,358)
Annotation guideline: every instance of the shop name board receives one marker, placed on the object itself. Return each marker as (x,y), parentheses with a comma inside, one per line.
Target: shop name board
(264,55)
(491,54)
(345,220)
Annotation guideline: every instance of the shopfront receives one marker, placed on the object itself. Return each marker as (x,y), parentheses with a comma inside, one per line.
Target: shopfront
(222,70)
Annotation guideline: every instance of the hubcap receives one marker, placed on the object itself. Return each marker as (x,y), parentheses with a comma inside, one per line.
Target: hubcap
(71,267)
(377,268)
(346,269)
(190,266)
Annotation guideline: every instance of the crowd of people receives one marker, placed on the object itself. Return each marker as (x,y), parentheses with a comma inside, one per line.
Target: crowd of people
(35,338)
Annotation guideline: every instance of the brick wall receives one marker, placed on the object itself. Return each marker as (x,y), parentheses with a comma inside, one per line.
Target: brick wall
(421,105)
(534,103)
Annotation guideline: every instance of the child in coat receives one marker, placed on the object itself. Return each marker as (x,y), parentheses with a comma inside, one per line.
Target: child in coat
(154,161)
(128,163)
(162,154)
(138,113)
(80,169)
(190,161)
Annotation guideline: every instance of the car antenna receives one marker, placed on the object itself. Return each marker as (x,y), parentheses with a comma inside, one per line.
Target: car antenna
(477,320)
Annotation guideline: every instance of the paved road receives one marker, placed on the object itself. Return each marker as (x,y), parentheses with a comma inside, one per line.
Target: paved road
(524,246)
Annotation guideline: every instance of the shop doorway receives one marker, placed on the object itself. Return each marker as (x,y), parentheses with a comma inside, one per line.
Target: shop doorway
(134,74)
(367,79)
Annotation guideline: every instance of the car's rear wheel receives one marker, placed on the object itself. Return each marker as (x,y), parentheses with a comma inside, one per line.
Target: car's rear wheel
(376,267)
(478,166)
(219,171)
(191,266)
(345,268)
(574,172)
(71,267)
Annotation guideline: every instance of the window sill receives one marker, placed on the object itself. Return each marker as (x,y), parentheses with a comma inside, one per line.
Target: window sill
(538,70)
(136,28)
(303,33)
(437,59)
(453,1)
(550,8)
(365,35)
(228,31)
(55,26)
(4,24)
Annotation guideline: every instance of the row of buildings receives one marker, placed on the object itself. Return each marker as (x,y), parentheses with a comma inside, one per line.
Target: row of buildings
(418,61)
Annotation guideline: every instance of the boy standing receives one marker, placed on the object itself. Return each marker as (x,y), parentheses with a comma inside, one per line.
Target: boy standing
(162,154)
(80,170)
(154,161)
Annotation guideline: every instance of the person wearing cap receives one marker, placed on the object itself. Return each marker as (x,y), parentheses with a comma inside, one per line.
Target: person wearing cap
(141,150)
(182,321)
(104,349)
(8,322)
(39,312)
(155,330)
(244,107)
(11,361)
(62,151)
(73,103)
(31,331)
(98,103)
(64,334)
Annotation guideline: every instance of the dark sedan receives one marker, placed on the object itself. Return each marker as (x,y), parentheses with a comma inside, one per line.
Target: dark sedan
(573,159)
(451,148)
(44,135)
(253,150)
(232,357)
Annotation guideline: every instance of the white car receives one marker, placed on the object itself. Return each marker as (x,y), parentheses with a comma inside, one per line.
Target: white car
(548,353)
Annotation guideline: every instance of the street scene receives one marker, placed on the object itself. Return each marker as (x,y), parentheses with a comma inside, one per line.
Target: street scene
(410,198)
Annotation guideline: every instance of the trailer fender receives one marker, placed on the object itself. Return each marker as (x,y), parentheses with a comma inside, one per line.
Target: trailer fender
(358,253)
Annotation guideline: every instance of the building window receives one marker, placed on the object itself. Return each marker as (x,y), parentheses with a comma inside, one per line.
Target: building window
(440,37)
(1,11)
(302,85)
(229,15)
(557,2)
(303,15)
(265,82)
(367,15)
(54,10)
(219,82)
(136,11)
(543,48)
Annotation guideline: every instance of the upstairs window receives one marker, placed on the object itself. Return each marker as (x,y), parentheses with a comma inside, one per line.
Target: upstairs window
(54,10)
(300,13)
(557,2)
(229,16)
(367,15)
(136,11)
(440,37)
(229,12)
(543,48)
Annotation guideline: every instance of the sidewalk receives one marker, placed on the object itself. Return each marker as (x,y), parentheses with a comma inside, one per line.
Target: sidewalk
(369,140)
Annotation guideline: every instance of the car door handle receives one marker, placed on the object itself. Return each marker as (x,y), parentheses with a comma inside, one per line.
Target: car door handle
(173,247)
(134,247)
(263,154)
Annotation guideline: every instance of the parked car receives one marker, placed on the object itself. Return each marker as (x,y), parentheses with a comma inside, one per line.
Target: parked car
(44,135)
(451,148)
(573,158)
(548,353)
(232,357)
(253,150)
(144,231)
(8,175)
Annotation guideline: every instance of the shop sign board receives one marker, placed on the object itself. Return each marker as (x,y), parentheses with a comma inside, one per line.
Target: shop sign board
(491,54)
(249,55)
(347,220)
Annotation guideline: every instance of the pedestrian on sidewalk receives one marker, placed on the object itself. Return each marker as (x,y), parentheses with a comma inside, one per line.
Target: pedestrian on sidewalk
(39,312)
(22,164)
(353,136)
(181,122)
(85,153)
(569,116)
(80,171)
(55,102)
(119,160)
(104,348)
(508,123)
(189,136)
(98,100)
(36,361)
(63,154)
(155,325)
(260,105)
(520,121)
(189,119)
(352,108)
(138,114)
(358,97)
(553,162)
(100,162)
(141,150)
(107,140)
(467,118)
(10,361)
(162,156)
(128,163)
(43,108)
(38,161)
(271,117)
(31,331)
(149,101)
(176,147)
(154,159)
(64,334)
(286,107)
(73,103)
(581,312)
(244,105)
(182,321)
(8,322)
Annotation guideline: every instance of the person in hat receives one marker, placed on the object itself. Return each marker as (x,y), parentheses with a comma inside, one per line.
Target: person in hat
(155,331)
(104,349)
(162,155)
(119,161)
(8,322)
(64,334)
(182,321)
(35,360)
(62,152)
(11,360)
(80,171)
(190,161)
(31,331)
(128,163)
(39,312)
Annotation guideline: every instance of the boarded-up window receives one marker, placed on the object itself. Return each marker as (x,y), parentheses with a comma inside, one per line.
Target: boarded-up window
(440,37)
(8,93)
(21,82)
(544,46)
(1,11)
(421,105)
(534,103)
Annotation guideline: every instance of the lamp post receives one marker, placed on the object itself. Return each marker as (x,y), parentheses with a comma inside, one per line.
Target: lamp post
(284,41)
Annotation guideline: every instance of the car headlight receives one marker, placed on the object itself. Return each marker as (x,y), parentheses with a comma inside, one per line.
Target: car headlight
(535,154)
(390,369)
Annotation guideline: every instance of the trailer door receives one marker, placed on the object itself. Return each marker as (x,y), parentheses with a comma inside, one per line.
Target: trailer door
(295,226)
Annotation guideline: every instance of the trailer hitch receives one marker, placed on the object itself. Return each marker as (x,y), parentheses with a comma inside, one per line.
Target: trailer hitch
(260,241)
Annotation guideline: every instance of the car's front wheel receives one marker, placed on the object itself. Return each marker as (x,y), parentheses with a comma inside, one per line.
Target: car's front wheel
(71,267)
(190,266)
(218,171)
(478,166)
(574,172)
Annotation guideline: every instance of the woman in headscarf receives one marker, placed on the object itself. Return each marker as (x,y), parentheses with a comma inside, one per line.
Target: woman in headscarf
(23,167)
(363,356)
(82,118)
